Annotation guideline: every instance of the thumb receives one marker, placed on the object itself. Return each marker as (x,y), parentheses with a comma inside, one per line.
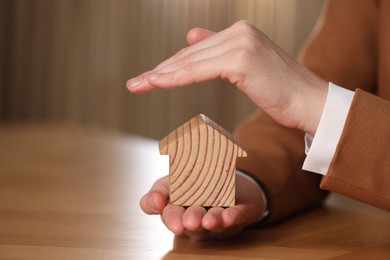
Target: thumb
(198,34)
(157,198)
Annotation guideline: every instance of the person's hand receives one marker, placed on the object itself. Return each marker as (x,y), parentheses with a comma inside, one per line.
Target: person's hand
(243,55)
(199,223)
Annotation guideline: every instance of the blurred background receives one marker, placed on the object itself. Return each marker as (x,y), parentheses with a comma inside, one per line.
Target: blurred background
(68,60)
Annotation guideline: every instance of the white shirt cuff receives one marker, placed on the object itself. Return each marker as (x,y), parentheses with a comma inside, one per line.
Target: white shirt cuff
(321,148)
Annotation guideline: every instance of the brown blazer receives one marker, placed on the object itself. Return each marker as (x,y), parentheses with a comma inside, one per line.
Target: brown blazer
(351,48)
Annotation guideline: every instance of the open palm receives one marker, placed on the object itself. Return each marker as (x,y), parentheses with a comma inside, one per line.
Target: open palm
(200,223)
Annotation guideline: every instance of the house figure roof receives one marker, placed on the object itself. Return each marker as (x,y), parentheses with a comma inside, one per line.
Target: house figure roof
(202,163)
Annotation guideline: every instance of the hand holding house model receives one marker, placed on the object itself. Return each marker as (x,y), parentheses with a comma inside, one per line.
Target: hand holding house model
(202,163)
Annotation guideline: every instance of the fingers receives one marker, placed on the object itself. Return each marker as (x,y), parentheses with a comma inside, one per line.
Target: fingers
(213,218)
(192,218)
(139,85)
(192,73)
(156,199)
(200,224)
(209,39)
(197,218)
(172,218)
(198,34)
(236,216)
(218,223)
(196,221)
(200,39)
(189,74)
(197,66)
(178,219)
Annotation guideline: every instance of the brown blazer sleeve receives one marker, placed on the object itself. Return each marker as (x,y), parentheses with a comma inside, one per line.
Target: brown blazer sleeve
(360,167)
(343,47)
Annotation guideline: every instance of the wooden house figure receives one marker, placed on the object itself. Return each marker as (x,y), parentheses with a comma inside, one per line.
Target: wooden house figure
(202,163)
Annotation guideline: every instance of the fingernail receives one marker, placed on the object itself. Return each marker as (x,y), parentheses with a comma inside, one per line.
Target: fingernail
(134,82)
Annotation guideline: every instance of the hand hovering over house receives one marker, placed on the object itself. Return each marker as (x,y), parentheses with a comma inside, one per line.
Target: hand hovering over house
(199,223)
(244,56)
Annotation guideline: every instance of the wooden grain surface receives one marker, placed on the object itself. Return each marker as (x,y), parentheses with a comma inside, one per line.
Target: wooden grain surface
(69,193)
(202,163)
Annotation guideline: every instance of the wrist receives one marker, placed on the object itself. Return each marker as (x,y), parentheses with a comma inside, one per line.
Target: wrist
(312,102)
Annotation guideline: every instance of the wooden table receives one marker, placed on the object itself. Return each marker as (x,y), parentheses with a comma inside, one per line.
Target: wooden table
(72,193)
